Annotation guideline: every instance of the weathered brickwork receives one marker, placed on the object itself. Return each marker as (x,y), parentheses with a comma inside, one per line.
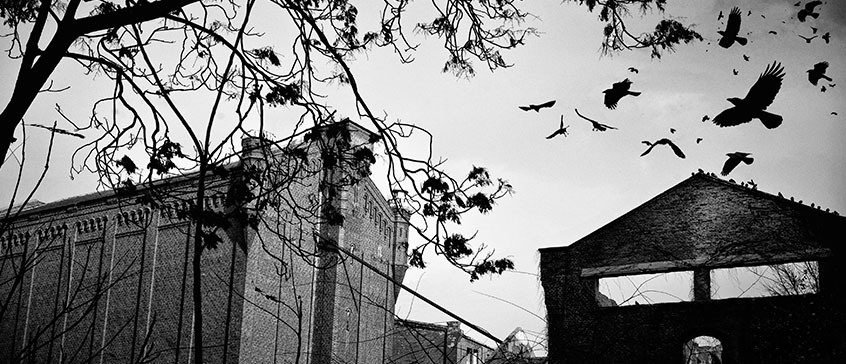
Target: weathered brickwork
(287,300)
(701,223)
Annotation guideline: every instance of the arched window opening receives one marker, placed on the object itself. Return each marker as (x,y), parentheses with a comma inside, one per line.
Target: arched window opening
(703,350)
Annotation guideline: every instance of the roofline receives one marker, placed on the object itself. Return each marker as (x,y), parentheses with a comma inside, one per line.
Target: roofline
(103,195)
(700,174)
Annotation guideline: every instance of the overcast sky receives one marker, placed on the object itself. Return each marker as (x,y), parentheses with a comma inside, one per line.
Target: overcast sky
(569,186)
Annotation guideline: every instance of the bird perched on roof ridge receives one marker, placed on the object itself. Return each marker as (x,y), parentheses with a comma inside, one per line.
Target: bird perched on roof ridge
(537,108)
(759,97)
(808,10)
(665,141)
(818,72)
(735,159)
(617,91)
(732,29)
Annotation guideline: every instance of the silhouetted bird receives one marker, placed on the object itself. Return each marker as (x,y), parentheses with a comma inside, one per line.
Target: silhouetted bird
(798,3)
(773,32)
(633,70)
(807,40)
(826,37)
(561,130)
(734,71)
(597,126)
(749,13)
(834,113)
(672,131)
(808,10)
(127,164)
(759,97)
(720,16)
(732,29)
(666,141)
(698,140)
(832,85)
(616,92)
(822,89)
(706,118)
(746,58)
(537,108)
(818,72)
(735,159)
(813,30)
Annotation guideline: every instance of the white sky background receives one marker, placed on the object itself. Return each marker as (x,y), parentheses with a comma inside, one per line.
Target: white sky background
(569,187)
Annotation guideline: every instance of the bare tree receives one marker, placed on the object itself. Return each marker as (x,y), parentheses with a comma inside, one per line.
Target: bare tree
(164,58)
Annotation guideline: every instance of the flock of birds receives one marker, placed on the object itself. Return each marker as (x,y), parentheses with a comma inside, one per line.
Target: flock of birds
(753,106)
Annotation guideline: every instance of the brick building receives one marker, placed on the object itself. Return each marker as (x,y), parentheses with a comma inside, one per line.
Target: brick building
(428,343)
(113,279)
(700,225)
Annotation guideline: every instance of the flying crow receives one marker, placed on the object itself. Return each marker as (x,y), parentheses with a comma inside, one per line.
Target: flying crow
(759,97)
(537,108)
(597,126)
(807,40)
(735,159)
(616,92)
(732,29)
(666,141)
(809,10)
(826,37)
(561,130)
(818,72)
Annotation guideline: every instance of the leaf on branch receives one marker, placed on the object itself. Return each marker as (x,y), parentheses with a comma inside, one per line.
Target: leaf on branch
(480,176)
(435,185)
(210,239)
(127,164)
(267,54)
(480,201)
(283,94)
(416,258)
(455,246)
(491,266)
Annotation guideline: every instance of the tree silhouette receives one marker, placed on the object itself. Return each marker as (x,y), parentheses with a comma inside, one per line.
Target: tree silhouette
(177,68)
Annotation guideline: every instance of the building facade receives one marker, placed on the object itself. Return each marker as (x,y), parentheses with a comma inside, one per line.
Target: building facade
(698,226)
(107,278)
(428,343)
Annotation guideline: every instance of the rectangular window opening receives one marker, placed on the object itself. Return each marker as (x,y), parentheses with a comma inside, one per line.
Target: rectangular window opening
(645,289)
(789,279)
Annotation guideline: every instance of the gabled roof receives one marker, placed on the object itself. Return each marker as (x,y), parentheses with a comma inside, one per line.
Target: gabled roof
(706,221)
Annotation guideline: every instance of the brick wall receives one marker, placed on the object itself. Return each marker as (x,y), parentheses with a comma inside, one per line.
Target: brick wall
(702,223)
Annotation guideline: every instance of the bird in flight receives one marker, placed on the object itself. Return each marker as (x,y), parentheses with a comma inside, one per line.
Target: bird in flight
(597,126)
(735,159)
(720,16)
(759,97)
(698,140)
(616,92)
(834,113)
(773,32)
(537,108)
(746,58)
(734,71)
(672,131)
(807,40)
(732,29)
(633,70)
(818,72)
(826,37)
(808,10)
(814,30)
(822,89)
(665,141)
(562,130)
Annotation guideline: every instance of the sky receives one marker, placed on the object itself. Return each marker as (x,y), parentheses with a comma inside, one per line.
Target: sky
(569,186)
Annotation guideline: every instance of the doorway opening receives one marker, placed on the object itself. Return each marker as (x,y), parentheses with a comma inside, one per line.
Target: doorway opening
(703,350)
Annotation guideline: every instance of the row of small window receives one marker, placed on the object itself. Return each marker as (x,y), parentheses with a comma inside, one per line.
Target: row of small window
(371,212)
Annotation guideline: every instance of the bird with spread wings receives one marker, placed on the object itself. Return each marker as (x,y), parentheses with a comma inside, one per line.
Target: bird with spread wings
(617,91)
(759,97)
(734,160)
(537,108)
(664,141)
(818,72)
(562,130)
(732,29)
(808,10)
(597,126)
